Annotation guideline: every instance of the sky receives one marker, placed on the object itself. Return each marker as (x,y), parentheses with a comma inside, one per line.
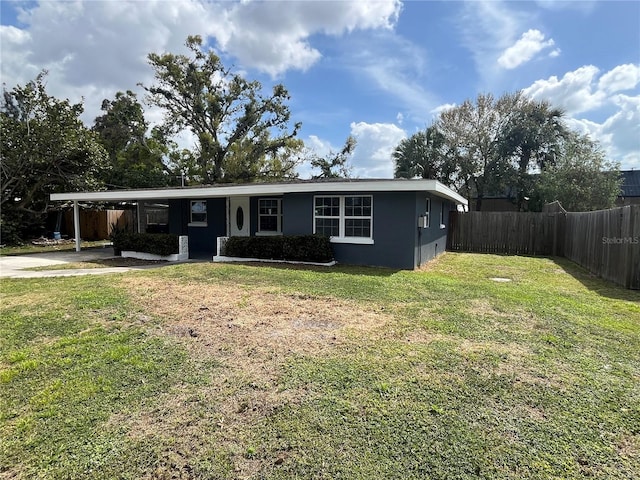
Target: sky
(379,70)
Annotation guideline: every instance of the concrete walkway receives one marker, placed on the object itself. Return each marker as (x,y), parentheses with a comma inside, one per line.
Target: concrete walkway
(13,266)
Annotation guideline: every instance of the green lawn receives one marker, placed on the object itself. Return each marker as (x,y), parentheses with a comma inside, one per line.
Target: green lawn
(242,371)
(66,246)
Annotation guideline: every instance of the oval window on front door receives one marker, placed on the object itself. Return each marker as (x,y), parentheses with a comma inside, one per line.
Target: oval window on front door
(239,218)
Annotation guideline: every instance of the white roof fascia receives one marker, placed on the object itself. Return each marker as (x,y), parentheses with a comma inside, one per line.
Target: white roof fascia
(253,189)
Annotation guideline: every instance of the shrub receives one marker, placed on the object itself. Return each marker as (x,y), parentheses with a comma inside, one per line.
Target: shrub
(302,248)
(155,243)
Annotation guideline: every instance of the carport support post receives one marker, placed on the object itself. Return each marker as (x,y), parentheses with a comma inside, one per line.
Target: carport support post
(76,224)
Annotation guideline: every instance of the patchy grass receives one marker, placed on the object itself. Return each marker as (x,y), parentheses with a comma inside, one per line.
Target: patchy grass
(245,371)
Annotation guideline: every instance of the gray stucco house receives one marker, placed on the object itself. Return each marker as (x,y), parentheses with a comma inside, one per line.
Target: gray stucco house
(390,223)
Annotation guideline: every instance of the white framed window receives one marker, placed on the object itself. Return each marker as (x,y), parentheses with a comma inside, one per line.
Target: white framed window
(344,218)
(269,216)
(198,216)
(427,212)
(442,225)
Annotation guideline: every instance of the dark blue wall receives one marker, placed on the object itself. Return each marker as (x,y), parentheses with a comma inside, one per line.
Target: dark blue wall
(432,241)
(178,216)
(202,240)
(398,243)
(394,228)
(297,214)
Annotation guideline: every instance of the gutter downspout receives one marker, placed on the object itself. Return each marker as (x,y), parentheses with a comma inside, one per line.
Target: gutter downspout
(76,224)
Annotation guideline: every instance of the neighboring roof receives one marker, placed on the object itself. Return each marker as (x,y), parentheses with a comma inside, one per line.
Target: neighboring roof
(301,186)
(630,183)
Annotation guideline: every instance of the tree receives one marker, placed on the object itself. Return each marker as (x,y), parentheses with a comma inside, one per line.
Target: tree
(45,148)
(531,139)
(122,123)
(222,110)
(335,164)
(422,155)
(275,166)
(137,159)
(472,134)
(581,178)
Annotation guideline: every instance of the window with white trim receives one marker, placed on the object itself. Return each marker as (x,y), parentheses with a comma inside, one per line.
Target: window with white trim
(442,225)
(198,212)
(428,212)
(270,215)
(344,217)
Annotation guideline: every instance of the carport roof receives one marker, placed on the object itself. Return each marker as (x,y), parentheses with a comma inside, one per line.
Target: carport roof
(278,188)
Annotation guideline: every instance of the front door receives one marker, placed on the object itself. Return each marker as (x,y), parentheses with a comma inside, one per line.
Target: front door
(239,216)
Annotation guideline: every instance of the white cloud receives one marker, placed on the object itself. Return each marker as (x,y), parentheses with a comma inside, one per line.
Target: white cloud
(397,68)
(530,43)
(376,142)
(574,92)
(441,108)
(93,49)
(488,28)
(622,77)
(623,129)
(582,91)
(372,156)
(273,36)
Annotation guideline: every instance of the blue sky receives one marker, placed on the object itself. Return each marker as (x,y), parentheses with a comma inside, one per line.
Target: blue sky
(378,70)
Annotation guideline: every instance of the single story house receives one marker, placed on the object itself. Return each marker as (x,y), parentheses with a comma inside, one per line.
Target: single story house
(391,223)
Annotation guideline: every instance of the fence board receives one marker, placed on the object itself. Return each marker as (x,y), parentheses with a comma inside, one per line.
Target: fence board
(606,242)
(97,224)
(502,232)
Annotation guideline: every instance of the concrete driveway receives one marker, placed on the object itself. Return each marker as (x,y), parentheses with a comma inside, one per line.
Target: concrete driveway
(13,266)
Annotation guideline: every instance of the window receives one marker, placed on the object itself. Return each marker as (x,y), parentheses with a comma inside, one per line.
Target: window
(156,217)
(269,215)
(428,212)
(327,216)
(442,225)
(198,212)
(346,219)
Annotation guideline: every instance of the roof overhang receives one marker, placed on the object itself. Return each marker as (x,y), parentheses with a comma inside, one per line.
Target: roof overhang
(252,189)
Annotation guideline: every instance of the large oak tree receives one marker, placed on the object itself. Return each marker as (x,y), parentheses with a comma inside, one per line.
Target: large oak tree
(221,109)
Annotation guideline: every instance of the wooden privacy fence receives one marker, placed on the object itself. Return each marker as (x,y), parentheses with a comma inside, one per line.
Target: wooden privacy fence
(97,224)
(514,233)
(606,242)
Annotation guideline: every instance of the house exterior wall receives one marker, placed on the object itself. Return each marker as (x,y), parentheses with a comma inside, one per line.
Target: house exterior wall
(431,241)
(202,239)
(393,228)
(397,240)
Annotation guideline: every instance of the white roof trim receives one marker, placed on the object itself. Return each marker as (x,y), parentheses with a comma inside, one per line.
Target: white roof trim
(253,189)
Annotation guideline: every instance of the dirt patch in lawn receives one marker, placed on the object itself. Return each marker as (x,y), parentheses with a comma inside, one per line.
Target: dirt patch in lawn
(250,332)
(243,321)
